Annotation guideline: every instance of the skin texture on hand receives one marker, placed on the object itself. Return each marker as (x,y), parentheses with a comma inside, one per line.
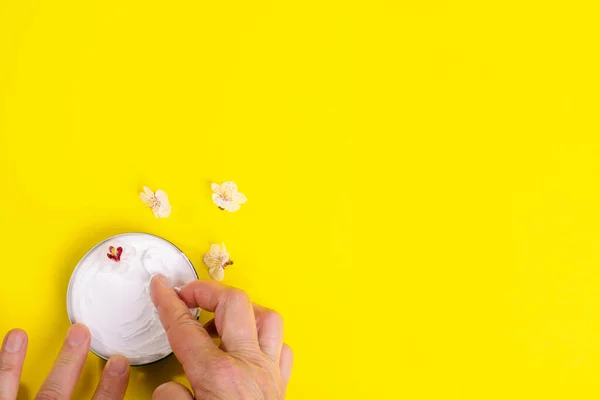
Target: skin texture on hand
(252,361)
(60,383)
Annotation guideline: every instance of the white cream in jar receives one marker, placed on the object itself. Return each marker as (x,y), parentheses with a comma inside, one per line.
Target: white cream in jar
(109,292)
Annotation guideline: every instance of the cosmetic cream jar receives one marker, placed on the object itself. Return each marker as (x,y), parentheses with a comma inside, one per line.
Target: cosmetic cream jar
(109,292)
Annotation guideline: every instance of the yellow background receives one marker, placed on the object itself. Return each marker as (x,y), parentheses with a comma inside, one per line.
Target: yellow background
(422,179)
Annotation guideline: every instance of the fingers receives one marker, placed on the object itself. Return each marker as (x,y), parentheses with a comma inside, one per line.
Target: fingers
(269,325)
(172,391)
(115,378)
(234,314)
(60,383)
(12,357)
(189,341)
(286,363)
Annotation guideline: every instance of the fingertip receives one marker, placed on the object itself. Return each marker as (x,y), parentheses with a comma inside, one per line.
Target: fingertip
(115,379)
(14,340)
(286,363)
(171,390)
(78,334)
(153,288)
(157,285)
(117,365)
(17,331)
(160,279)
(119,357)
(289,353)
(81,327)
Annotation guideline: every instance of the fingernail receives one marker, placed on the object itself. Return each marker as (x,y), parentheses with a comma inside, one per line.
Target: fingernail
(117,366)
(177,289)
(14,341)
(76,335)
(162,279)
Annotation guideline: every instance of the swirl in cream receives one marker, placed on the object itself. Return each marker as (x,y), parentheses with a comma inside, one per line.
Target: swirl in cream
(112,298)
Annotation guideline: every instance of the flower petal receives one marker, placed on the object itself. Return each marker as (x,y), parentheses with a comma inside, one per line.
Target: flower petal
(217,273)
(239,198)
(161,195)
(208,259)
(162,211)
(231,206)
(216,187)
(148,191)
(212,261)
(218,200)
(146,198)
(215,250)
(229,187)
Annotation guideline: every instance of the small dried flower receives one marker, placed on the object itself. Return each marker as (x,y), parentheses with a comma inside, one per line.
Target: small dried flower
(115,253)
(158,202)
(116,257)
(227,197)
(217,260)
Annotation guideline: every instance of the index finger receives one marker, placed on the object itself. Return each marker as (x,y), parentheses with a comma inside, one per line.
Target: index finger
(189,341)
(114,380)
(61,381)
(234,313)
(12,356)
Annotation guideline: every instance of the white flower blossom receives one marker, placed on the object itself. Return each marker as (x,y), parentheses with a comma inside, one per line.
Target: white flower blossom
(227,197)
(158,202)
(217,260)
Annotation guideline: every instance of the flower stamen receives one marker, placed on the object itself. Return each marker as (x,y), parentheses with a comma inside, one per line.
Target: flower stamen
(115,253)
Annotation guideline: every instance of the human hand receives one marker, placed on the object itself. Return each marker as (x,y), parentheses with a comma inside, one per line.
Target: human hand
(252,361)
(60,383)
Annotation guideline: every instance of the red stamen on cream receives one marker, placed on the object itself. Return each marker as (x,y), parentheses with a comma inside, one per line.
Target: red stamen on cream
(115,254)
